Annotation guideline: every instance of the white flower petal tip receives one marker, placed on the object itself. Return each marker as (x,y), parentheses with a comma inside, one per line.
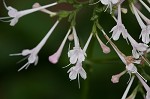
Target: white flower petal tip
(145,34)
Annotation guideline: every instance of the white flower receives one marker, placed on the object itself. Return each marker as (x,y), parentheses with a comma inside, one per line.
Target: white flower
(119,28)
(76,54)
(55,57)
(109,3)
(14,14)
(145,29)
(145,34)
(76,71)
(138,48)
(32,54)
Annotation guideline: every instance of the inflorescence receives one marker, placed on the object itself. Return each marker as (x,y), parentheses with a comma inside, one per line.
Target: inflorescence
(134,64)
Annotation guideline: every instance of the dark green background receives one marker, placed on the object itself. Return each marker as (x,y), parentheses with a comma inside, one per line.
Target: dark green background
(48,81)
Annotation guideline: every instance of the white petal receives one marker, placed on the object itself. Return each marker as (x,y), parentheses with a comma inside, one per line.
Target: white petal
(116,35)
(81,57)
(145,37)
(73,59)
(135,54)
(105,2)
(32,58)
(12,12)
(73,75)
(141,47)
(82,73)
(114,1)
(13,21)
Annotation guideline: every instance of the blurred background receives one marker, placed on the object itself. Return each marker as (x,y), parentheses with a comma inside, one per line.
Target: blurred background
(48,81)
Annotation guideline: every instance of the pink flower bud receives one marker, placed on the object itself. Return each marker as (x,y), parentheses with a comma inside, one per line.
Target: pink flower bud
(115,78)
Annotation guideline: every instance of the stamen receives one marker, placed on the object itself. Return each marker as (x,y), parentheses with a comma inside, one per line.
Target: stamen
(67,65)
(142,77)
(78,80)
(94,3)
(26,65)
(17,54)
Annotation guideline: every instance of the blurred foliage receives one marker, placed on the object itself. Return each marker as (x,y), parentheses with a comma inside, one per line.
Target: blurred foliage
(48,81)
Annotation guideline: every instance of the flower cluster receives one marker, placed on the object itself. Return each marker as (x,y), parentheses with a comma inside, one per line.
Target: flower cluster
(77,55)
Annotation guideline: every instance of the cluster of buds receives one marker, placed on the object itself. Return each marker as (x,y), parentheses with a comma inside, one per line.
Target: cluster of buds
(77,55)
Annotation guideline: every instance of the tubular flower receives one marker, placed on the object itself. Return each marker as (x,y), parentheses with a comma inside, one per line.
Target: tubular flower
(119,28)
(145,29)
(55,57)
(32,54)
(14,14)
(138,48)
(76,54)
(78,69)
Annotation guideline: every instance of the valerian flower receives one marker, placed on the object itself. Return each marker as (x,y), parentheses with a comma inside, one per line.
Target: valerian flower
(32,54)
(109,3)
(119,28)
(145,29)
(55,57)
(138,48)
(14,14)
(76,70)
(76,54)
